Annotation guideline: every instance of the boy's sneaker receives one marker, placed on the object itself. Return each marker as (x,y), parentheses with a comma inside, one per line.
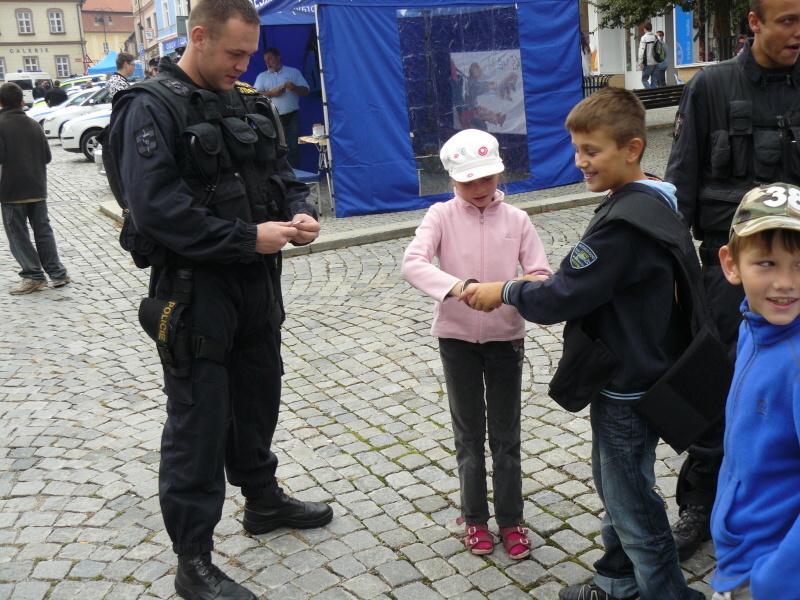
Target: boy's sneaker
(587,591)
(28,286)
(61,282)
(691,530)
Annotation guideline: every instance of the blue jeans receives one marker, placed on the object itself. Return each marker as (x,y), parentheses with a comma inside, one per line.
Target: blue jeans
(640,555)
(32,259)
(469,369)
(661,74)
(648,76)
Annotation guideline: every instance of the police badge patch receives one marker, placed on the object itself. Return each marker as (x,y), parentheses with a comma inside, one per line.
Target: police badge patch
(582,256)
(146,141)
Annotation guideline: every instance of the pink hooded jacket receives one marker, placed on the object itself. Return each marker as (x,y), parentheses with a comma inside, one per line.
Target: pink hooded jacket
(485,246)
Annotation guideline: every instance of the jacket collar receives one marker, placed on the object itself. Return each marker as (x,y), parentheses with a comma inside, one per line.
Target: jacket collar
(498,198)
(758,74)
(11,111)
(765,333)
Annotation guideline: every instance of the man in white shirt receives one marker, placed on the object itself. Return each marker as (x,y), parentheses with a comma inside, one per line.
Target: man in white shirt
(284,86)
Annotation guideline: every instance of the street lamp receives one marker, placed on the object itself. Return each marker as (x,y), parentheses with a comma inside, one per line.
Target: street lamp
(102,19)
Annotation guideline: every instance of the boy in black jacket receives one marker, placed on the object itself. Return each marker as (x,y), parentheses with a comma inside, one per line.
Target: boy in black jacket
(616,289)
(24,154)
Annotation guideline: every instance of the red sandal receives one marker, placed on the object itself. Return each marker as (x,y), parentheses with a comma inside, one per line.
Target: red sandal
(516,541)
(477,537)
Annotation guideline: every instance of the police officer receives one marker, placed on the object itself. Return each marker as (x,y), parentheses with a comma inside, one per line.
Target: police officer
(738,125)
(212,200)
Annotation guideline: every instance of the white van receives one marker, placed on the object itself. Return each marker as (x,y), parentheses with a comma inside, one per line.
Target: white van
(27,81)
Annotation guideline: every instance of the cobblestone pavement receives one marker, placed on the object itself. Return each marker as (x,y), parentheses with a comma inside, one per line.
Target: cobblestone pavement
(364,426)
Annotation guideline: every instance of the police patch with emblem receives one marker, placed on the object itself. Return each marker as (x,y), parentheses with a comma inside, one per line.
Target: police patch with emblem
(146,143)
(582,256)
(176,86)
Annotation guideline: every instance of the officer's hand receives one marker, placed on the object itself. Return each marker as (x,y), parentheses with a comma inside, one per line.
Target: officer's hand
(307,228)
(273,235)
(483,296)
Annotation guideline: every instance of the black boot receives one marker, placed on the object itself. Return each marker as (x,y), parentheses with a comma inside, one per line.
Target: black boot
(691,530)
(265,514)
(198,579)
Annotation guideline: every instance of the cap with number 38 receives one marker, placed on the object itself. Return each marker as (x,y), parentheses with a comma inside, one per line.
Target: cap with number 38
(773,206)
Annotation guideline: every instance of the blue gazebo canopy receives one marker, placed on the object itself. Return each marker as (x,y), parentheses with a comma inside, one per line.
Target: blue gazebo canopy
(108,64)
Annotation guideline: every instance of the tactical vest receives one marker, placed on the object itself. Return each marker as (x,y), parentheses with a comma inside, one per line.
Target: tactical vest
(753,140)
(228,145)
(690,396)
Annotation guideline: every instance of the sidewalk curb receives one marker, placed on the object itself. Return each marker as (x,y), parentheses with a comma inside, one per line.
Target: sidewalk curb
(391,231)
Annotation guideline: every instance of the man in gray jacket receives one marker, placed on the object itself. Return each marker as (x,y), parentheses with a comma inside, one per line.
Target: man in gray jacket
(24,154)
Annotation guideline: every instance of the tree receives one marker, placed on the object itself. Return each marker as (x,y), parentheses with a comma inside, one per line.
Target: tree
(629,13)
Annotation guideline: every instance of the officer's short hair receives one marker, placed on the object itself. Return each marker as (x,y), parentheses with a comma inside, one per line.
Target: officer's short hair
(788,239)
(757,6)
(10,95)
(123,58)
(617,110)
(213,14)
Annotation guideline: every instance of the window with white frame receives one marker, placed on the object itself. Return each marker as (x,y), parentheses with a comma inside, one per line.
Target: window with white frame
(55,17)
(165,9)
(24,22)
(62,66)
(30,63)
(2,69)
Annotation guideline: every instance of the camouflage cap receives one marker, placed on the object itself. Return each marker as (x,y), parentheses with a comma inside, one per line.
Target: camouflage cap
(773,206)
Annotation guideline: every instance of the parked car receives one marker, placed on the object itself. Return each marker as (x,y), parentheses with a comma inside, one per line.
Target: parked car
(40,111)
(53,124)
(80,134)
(77,82)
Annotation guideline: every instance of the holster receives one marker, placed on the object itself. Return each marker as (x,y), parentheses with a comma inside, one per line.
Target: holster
(585,368)
(162,321)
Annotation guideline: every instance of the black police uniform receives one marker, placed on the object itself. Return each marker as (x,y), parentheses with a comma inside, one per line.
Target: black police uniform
(198,170)
(737,126)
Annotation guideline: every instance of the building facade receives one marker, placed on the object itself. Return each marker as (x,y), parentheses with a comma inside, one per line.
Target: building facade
(107,24)
(172,15)
(146,29)
(41,35)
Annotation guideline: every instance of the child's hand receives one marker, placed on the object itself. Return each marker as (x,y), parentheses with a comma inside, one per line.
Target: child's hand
(533,277)
(483,296)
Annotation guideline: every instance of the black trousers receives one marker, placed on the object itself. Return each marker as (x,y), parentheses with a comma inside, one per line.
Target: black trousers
(697,480)
(222,416)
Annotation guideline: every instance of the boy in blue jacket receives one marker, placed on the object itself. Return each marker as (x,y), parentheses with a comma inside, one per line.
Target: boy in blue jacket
(755,523)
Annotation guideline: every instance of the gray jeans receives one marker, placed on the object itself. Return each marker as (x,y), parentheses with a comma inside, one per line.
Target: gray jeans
(32,259)
(494,369)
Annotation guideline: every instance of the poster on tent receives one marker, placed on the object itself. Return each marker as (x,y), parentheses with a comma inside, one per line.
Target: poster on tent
(490,95)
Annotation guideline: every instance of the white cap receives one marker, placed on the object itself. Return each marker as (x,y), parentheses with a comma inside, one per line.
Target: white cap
(471,154)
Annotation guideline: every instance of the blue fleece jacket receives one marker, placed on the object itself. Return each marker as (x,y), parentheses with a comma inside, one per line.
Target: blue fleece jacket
(756,519)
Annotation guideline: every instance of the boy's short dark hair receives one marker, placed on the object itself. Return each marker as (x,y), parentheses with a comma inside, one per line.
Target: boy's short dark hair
(789,239)
(617,110)
(10,95)
(213,14)
(123,58)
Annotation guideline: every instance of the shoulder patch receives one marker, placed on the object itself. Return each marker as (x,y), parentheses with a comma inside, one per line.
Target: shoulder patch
(245,88)
(582,256)
(175,86)
(146,143)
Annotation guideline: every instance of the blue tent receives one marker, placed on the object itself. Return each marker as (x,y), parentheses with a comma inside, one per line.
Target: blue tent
(106,65)
(402,77)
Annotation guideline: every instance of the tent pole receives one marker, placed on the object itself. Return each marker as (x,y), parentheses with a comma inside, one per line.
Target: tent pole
(327,147)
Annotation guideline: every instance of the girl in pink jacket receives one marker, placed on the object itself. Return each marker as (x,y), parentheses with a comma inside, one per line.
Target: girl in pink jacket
(478,237)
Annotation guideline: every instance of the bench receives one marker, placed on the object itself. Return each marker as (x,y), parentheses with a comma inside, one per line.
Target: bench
(660,97)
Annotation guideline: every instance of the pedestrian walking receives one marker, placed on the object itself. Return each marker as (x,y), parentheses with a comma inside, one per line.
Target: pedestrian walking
(647,61)
(477,236)
(661,67)
(24,154)
(212,202)
(616,291)
(736,126)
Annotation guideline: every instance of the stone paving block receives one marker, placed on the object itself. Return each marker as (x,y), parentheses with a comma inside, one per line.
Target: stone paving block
(316,581)
(399,572)
(366,586)
(416,591)
(570,572)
